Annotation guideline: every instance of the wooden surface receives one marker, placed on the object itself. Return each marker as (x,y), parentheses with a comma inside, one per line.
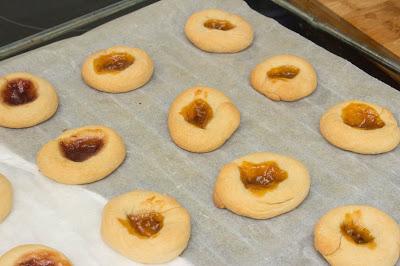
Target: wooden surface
(374,23)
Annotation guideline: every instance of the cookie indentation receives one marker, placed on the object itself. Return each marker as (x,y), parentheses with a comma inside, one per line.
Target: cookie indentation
(79,149)
(144,225)
(362,116)
(19,91)
(354,232)
(113,62)
(198,113)
(261,177)
(219,24)
(283,72)
(42,258)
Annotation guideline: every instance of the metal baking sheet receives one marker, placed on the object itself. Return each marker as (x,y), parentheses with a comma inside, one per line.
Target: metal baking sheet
(155,163)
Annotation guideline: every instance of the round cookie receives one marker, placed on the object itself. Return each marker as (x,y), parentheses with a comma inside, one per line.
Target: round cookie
(146,226)
(357,235)
(34,255)
(284,77)
(360,127)
(201,119)
(26,100)
(82,155)
(217,31)
(261,185)
(6,196)
(117,69)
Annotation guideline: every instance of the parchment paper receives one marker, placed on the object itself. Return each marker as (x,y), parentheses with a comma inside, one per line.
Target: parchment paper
(155,163)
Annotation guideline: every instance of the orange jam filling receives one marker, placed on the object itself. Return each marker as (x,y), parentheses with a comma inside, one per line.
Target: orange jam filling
(113,62)
(144,225)
(354,232)
(283,72)
(42,258)
(19,91)
(361,116)
(198,113)
(219,24)
(261,177)
(79,149)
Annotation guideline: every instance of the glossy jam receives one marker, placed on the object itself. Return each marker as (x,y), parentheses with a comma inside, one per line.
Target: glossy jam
(354,232)
(218,24)
(143,225)
(113,62)
(197,113)
(361,116)
(261,177)
(19,91)
(79,149)
(283,72)
(42,258)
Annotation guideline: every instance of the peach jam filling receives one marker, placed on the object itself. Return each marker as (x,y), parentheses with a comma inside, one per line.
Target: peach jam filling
(79,149)
(144,225)
(261,177)
(283,72)
(42,258)
(112,62)
(218,24)
(354,232)
(362,116)
(197,113)
(19,91)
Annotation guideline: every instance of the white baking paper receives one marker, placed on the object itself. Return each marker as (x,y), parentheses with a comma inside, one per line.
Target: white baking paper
(66,218)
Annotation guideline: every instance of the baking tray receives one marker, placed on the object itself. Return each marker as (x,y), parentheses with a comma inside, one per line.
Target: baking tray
(155,163)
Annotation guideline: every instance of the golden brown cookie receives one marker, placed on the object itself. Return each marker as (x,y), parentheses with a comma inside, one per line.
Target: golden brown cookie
(34,255)
(217,31)
(6,197)
(284,77)
(26,100)
(201,119)
(82,155)
(358,235)
(360,127)
(262,185)
(146,226)
(117,69)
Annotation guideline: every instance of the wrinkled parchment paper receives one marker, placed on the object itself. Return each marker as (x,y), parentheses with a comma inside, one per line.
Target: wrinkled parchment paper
(155,163)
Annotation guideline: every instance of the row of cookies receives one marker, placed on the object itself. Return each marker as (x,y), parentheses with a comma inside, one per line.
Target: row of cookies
(194,111)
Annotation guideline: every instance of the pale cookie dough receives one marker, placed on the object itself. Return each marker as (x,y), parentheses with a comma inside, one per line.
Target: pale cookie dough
(146,226)
(284,78)
(117,69)
(217,31)
(357,235)
(82,155)
(26,100)
(278,195)
(217,118)
(34,255)
(360,140)
(6,197)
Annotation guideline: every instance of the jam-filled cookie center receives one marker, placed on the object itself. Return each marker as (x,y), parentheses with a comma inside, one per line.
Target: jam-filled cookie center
(283,72)
(42,258)
(79,149)
(219,24)
(19,91)
(113,62)
(354,232)
(361,116)
(198,113)
(261,177)
(144,225)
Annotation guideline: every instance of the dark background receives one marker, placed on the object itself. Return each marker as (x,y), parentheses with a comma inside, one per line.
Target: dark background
(21,18)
